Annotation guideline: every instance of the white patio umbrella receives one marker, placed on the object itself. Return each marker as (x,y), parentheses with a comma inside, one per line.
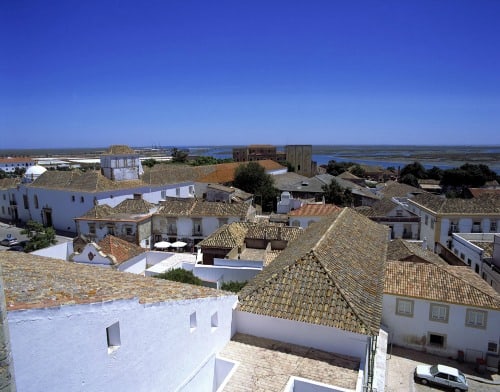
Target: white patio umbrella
(163,245)
(178,244)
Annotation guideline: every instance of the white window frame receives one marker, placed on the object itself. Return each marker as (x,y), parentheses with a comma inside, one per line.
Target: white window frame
(476,318)
(439,312)
(404,307)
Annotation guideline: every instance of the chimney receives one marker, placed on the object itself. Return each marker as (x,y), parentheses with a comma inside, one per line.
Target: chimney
(137,196)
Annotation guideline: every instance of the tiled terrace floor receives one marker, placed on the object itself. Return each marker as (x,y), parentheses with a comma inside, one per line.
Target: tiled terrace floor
(267,365)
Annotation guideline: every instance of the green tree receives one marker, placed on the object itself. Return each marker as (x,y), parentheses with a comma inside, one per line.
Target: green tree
(435,173)
(415,169)
(3,174)
(180,275)
(338,195)
(19,171)
(179,156)
(150,162)
(335,168)
(235,287)
(358,171)
(203,160)
(252,178)
(39,236)
(409,179)
(290,167)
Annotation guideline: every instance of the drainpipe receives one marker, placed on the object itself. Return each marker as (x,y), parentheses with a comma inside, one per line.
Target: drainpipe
(7,382)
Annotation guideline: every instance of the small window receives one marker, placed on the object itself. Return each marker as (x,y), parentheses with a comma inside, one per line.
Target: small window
(462,256)
(439,313)
(113,336)
(492,347)
(163,194)
(82,199)
(426,220)
(192,321)
(214,321)
(493,226)
(73,198)
(399,213)
(128,231)
(26,203)
(469,262)
(178,192)
(476,318)
(91,228)
(437,340)
(404,307)
(3,210)
(432,223)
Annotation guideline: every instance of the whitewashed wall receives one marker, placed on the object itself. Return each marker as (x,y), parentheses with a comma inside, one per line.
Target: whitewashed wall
(303,221)
(59,251)
(224,273)
(469,253)
(65,348)
(304,334)
(412,332)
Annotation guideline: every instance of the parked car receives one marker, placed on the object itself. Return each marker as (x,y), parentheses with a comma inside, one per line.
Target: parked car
(9,241)
(16,248)
(445,376)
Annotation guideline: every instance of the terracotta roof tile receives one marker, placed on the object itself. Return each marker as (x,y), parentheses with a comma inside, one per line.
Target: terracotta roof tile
(118,149)
(119,249)
(315,210)
(485,204)
(332,275)
(32,281)
(200,208)
(451,284)
(403,250)
(396,189)
(227,236)
(9,183)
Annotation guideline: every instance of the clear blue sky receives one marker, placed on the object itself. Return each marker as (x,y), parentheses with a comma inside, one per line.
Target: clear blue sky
(95,73)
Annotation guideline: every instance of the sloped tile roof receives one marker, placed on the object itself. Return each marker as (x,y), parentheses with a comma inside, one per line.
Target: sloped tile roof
(119,249)
(403,250)
(118,149)
(9,183)
(32,281)
(227,236)
(99,211)
(273,232)
(333,275)
(15,160)
(201,208)
(223,188)
(477,192)
(134,206)
(281,181)
(485,204)
(315,210)
(347,175)
(450,284)
(381,208)
(75,180)
(396,189)
(487,248)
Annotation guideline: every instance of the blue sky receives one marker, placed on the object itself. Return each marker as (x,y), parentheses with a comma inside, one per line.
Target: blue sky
(95,73)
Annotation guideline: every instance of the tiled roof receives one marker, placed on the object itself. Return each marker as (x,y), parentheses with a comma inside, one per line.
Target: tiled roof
(281,181)
(220,187)
(403,250)
(99,211)
(333,275)
(347,175)
(315,210)
(201,208)
(273,232)
(119,150)
(396,189)
(41,282)
(451,284)
(477,192)
(380,208)
(227,236)
(119,249)
(16,160)
(224,172)
(9,183)
(75,180)
(485,204)
(487,247)
(266,365)
(134,206)
(309,185)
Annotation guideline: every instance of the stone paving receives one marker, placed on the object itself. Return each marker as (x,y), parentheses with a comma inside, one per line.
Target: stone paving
(267,365)
(401,362)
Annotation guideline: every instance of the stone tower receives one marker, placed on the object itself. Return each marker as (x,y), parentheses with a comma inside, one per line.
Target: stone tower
(121,163)
(300,156)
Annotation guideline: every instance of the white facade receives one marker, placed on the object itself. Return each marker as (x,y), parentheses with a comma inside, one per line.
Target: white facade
(59,207)
(120,345)
(287,203)
(122,167)
(9,165)
(304,221)
(441,328)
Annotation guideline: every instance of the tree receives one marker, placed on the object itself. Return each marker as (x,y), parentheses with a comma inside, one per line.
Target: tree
(435,173)
(338,195)
(290,167)
(3,174)
(252,178)
(235,287)
(179,156)
(335,168)
(150,162)
(358,171)
(409,179)
(415,169)
(180,275)
(39,236)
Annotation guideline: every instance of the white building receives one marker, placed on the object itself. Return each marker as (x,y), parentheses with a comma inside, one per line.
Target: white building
(121,163)
(481,252)
(441,217)
(307,295)
(443,310)
(94,328)
(10,164)
(310,213)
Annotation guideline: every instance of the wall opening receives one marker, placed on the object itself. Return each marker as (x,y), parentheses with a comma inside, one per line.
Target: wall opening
(113,337)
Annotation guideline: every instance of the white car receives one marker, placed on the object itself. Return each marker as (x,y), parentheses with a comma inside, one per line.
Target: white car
(445,376)
(9,241)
